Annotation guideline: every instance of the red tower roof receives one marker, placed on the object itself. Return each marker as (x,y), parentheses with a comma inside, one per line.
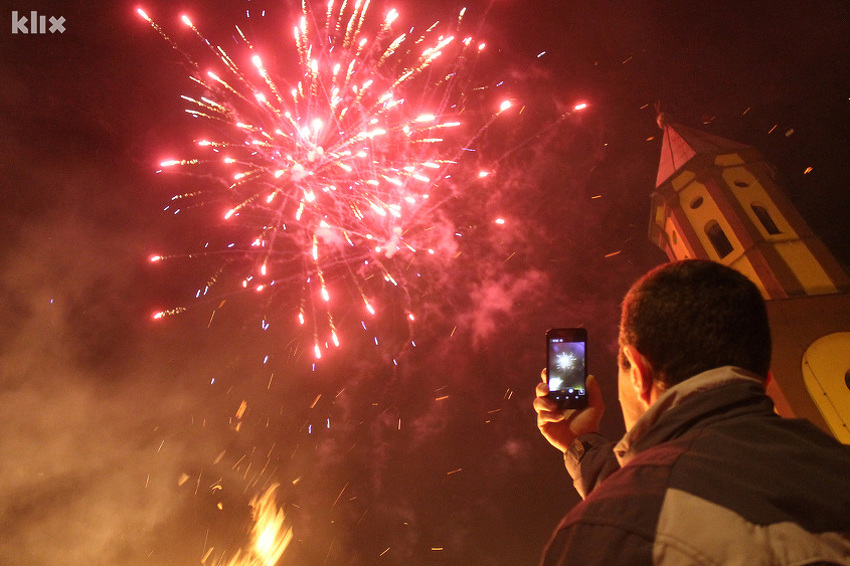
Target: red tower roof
(681,143)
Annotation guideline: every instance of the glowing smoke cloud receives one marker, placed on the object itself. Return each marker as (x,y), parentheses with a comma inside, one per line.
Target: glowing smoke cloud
(339,176)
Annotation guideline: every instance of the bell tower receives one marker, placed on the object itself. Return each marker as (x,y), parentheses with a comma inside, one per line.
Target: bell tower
(720,200)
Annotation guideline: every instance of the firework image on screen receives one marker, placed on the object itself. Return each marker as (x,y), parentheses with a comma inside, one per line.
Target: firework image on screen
(567,366)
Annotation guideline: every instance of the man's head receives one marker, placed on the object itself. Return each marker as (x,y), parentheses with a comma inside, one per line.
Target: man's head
(690,316)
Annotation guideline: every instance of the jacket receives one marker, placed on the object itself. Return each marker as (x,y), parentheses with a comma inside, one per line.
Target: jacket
(709,475)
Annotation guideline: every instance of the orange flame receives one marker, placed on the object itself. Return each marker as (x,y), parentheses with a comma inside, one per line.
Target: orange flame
(269,535)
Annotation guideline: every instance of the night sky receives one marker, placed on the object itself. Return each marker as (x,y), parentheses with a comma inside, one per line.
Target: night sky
(129,441)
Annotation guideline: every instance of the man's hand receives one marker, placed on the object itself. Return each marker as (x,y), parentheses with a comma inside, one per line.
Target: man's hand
(560,428)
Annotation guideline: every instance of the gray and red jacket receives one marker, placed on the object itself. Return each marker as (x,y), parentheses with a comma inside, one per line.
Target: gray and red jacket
(710,475)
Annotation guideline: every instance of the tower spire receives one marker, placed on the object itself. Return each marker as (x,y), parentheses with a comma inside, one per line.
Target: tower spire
(680,144)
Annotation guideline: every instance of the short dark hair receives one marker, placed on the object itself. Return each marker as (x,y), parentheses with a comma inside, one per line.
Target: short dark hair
(691,316)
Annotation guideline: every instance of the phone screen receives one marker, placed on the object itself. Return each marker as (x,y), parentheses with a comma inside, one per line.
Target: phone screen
(567,366)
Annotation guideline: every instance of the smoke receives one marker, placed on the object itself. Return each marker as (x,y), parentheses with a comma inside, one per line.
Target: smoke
(494,300)
(85,480)
(102,418)
(84,484)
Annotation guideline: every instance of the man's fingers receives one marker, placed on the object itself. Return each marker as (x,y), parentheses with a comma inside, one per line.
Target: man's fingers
(561,427)
(544,404)
(548,417)
(548,411)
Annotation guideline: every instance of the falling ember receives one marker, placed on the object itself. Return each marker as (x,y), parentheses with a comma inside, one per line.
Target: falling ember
(336,167)
(169,312)
(269,534)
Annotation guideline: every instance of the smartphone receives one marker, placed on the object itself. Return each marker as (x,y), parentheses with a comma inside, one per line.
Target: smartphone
(566,367)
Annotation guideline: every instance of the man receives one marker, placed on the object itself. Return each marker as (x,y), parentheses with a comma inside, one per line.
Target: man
(706,473)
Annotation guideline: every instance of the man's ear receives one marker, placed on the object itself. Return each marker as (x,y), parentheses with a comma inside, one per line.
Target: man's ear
(641,373)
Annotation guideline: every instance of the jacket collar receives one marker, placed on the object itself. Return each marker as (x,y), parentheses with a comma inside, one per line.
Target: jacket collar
(635,440)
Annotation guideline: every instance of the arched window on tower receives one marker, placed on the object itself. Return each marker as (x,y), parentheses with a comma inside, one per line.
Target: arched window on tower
(718,239)
(764,217)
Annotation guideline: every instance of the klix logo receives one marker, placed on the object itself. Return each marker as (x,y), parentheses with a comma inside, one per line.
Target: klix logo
(34,23)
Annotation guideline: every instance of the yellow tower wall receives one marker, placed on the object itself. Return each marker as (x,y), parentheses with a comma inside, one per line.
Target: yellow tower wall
(748,190)
(824,362)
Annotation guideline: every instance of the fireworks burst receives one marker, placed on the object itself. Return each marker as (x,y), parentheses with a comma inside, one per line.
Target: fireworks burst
(338,170)
(566,360)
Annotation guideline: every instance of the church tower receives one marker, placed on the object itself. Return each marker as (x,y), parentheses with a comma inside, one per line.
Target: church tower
(718,199)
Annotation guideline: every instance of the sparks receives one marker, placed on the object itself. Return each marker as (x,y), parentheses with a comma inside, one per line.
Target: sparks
(339,176)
